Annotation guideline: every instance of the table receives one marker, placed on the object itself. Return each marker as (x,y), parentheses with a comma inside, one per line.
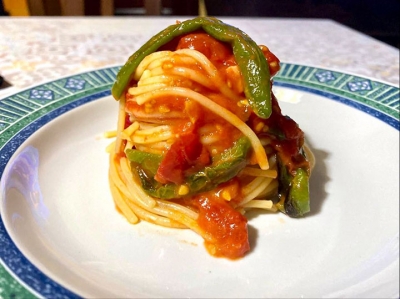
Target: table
(35,50)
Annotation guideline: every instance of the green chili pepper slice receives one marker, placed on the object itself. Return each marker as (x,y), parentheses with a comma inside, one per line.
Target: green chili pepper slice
(295,189)
(223,168)
(249,57)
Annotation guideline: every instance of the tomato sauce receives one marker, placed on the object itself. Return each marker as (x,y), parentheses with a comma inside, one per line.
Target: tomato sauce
(186,153)
(218,53)
(286,137)
(224,227)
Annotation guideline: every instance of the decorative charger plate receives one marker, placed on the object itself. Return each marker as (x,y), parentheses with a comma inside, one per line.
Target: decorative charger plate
(61,237)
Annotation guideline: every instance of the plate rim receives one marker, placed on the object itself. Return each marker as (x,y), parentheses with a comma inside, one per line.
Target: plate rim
(295,76)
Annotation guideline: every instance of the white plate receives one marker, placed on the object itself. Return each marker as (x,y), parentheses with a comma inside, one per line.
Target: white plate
(60,234)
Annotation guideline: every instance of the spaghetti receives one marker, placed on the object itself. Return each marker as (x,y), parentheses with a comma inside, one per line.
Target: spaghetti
(191,151)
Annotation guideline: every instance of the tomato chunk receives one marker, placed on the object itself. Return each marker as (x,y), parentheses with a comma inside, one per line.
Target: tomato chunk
(226,228)
(184,153)
(217,52)
(273,61)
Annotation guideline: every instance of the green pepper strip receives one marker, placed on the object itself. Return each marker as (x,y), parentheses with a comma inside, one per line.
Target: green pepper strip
(223,168)
(299,196)
(295,189)
(249,57)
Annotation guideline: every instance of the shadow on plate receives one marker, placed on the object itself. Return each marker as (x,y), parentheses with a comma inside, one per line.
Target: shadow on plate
(253,237)
(319,179)
(318,194)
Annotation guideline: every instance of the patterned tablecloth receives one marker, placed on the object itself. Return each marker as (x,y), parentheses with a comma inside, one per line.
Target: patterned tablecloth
(36,50)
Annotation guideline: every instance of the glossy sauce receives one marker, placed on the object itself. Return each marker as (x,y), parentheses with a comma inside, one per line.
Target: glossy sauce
(225,229)
(286,138)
